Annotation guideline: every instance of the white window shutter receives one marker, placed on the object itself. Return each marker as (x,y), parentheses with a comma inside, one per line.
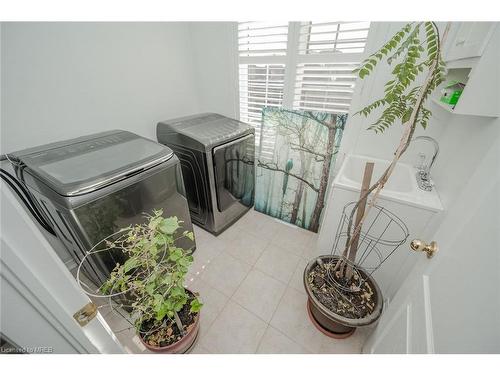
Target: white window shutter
(328,52)
(333,37)
(262,48)
(261,85)
(262,39)
(308,64)
(324,86)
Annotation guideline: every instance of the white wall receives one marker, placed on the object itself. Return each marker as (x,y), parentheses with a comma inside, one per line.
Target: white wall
(62,80)
(214,46)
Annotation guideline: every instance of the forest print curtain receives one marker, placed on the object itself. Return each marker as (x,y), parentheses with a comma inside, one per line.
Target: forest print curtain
(295,154)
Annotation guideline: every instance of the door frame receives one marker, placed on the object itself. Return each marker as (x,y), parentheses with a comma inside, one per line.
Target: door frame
(39,294)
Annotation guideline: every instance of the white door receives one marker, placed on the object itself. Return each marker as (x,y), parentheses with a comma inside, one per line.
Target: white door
(451,302)
(38,294)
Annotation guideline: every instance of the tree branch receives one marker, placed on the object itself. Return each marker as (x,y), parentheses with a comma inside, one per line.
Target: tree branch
(297,147)
(274,167)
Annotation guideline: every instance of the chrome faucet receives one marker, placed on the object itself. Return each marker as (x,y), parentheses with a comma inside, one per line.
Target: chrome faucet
(424,174)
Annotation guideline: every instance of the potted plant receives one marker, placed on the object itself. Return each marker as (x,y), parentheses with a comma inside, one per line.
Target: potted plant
(166,315)
(412,51)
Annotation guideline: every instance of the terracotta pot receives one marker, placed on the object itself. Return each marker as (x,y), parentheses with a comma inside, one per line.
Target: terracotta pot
(183,345)
(330,323)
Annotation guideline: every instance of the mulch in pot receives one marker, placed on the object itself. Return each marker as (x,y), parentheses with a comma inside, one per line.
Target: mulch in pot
(357,304)
(169,333)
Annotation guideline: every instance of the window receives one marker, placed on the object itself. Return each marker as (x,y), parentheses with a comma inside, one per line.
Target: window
(299,65)
(262,48)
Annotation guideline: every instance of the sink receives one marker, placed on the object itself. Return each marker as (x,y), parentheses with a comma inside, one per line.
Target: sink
(401,187)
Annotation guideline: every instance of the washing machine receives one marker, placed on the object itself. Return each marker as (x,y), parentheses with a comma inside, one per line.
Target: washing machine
(90,187)
(217,156)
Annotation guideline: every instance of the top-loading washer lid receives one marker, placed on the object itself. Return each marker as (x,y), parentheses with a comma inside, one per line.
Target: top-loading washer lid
(82,165)
(209,129)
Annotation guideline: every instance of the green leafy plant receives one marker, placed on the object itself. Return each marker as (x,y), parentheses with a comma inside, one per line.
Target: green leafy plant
(410,56)
(414,52)
(153,275)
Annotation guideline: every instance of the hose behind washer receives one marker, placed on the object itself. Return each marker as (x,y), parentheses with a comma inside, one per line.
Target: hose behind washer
(25,197)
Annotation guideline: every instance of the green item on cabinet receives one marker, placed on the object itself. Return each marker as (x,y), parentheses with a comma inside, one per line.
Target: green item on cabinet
(451,92)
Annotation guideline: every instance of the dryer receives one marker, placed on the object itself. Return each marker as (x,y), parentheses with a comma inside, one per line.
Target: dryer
(217,156)
(92,186)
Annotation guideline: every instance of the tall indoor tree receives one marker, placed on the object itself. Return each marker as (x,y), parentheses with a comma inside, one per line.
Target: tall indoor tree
(414,52)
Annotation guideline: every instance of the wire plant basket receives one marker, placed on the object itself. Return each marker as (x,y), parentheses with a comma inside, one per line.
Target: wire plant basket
(145,269)
(383,232)
(118,301)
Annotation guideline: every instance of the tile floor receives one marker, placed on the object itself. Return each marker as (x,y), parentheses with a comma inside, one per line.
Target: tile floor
(250,281)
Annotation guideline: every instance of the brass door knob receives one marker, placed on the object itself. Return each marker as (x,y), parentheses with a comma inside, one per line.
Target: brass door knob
(429,249)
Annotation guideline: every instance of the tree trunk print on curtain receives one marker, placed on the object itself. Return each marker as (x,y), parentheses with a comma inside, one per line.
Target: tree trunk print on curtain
(292,180)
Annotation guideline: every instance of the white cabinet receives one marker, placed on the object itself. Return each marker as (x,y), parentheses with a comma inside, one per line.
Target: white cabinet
(472,51)
(468,39)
